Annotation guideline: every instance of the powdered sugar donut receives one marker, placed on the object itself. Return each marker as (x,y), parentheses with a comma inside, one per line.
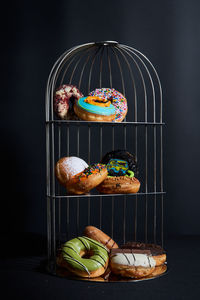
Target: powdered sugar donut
(116,98)
(67,167)
(64,99)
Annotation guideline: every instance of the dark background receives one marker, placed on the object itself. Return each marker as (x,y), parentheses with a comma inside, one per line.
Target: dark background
(35,34)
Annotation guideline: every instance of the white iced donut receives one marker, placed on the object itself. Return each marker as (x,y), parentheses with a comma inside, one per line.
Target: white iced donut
(67,167)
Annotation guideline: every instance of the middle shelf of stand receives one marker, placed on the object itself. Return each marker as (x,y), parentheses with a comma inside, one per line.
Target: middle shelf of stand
(103,195)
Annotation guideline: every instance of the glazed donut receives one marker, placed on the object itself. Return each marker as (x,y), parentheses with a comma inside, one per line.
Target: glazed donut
(67,167)
(157,252)
(120,180)
(131,263)
(99,236)
(64,98)
(158,270)
(116,98)
(119,185)
(84,257)
(94,109)
(83,182)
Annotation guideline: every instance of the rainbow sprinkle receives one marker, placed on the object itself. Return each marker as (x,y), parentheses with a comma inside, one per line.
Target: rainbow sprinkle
(116,98)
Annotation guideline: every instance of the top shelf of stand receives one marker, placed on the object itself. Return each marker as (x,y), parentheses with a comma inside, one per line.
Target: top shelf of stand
(75,122)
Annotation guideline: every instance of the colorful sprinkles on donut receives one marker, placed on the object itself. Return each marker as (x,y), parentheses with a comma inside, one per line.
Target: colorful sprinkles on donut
(116,98)
(92,169)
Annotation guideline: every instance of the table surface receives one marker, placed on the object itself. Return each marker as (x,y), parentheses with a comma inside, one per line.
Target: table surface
(24,277)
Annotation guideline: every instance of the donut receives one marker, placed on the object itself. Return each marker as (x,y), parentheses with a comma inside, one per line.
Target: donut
(84,257)
(116,98)
(64,98)
(157,252)
(83,182)
(67,167)
(131,263)
(94,109)
(121,166)
(119,185)
(99,236)
(124,155)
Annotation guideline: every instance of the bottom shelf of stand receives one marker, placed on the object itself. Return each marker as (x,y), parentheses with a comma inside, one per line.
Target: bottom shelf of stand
(53,269)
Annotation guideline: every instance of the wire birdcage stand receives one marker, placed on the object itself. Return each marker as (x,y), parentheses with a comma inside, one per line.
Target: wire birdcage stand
(111,65)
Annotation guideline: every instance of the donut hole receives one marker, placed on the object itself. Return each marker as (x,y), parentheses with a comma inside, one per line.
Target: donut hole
(72,100)
(86,254)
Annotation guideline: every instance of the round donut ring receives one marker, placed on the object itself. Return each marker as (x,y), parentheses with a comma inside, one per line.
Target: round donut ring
(83,182)
(116,98)
(158,253)
(98,235)
(65,97)
(72,257)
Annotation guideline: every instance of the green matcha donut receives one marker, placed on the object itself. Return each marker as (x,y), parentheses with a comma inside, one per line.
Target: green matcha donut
(93,266)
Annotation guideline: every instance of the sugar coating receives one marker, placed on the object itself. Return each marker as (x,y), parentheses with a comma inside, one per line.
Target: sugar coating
(74,165)
(117,99)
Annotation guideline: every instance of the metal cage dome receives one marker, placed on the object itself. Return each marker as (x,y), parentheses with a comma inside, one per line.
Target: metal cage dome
(107,64)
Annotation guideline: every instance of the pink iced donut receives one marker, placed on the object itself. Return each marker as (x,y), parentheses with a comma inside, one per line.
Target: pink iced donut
(116,98)
(64,99)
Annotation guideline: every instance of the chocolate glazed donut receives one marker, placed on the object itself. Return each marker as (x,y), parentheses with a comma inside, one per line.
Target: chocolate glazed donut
(122,169)
(125,155)
(157,252)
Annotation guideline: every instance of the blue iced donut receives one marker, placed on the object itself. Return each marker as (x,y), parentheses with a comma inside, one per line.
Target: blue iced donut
(95,109)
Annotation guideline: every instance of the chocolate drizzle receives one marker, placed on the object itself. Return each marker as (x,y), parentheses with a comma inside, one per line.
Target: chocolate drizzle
(153,248)
(131,251)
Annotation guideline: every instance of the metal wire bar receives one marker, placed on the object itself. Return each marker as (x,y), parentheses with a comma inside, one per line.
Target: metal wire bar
(101,152)
(59,201)
(101,65)
(68,198)
(78,205)
(161,187)
(105,195)
(113,204)
(109,67)
(91,68)
(124,220)
(53,191)
(155,202)
(93,123)
(89,145)
(120,70)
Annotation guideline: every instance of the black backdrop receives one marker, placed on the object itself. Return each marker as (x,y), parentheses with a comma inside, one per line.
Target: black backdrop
(35,33)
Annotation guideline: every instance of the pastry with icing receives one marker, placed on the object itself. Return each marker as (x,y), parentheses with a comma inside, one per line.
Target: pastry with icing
(85,181)
(64,99)
(131,263)
(84,257)
(67,167)
(95,109)
(99,236)
(138,260)
(116,98)
(121,166)
(157,252)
